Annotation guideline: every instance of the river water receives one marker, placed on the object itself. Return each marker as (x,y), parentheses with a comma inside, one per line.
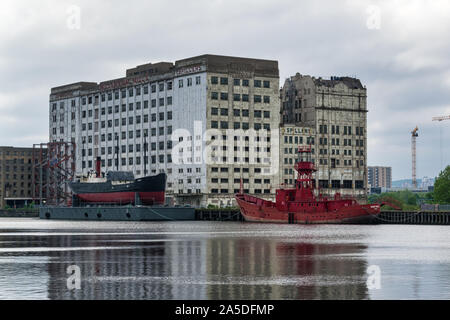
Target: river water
(221,260)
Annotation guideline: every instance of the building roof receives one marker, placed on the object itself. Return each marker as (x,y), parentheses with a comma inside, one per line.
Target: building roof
(351,83)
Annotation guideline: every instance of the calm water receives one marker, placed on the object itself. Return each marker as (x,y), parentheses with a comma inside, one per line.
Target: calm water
(221,260)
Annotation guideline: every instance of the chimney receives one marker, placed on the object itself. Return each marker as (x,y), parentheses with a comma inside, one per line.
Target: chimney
(98,164)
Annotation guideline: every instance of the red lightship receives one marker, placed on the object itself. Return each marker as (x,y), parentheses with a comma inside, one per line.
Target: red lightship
(301,205)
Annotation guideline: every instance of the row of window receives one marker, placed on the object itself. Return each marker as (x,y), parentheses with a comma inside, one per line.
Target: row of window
(256,191)
(136,91)
(238,180)
(298,140)
(131,120)
(239,125)
(138,104)
(238,112)
(110,163)
(16,177)
(237,82)
(131,148)
(336,142)
(323,128)
(238,97)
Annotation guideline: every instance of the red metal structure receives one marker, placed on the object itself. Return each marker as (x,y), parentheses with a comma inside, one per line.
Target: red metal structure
(301,205)
(53,168)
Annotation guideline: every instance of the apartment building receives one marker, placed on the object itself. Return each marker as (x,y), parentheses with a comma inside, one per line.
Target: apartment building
(206,121)
(379,177)
(337,110)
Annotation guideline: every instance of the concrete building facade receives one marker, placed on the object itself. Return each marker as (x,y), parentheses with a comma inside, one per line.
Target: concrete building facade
(200,120)
(379,177)
(337,110)
(16,168)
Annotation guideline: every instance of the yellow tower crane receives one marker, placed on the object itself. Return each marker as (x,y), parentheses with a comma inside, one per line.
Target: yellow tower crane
(414,135)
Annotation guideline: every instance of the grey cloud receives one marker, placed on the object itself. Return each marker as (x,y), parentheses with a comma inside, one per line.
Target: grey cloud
(404,64)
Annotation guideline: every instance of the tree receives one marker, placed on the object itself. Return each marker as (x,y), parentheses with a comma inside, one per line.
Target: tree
(441,193)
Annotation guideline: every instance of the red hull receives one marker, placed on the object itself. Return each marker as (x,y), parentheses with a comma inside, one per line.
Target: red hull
(147,198)
(258,210)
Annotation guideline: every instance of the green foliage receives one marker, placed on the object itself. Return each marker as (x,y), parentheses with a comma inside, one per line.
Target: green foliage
(441,193)
(405,199)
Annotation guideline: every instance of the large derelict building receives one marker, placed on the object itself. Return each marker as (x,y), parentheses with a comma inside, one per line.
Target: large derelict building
(185,112)
(336,109)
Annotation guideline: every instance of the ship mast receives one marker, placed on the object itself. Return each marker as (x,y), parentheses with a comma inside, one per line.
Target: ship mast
(305,169)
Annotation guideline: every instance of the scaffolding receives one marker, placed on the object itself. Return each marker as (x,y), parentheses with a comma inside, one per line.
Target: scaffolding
(53,167)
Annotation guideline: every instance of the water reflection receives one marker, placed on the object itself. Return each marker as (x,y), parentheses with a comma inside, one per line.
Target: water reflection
(214,260)
(217,268)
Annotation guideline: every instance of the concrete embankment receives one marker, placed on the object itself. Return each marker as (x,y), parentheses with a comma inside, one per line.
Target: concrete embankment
(18,214)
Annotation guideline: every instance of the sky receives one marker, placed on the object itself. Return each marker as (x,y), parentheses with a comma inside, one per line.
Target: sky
(398,49)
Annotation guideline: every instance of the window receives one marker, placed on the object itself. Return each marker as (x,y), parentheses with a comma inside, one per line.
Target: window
(266,84)
(169,85)
(180,83)
(245,97)
(189,82)
(266,99)
(223,81)
(169,101)
(197,80)
(161,102)
(214,80)
(257,98)
(245,82)
(237,82)
(223,96)
(257,83)
(214,95)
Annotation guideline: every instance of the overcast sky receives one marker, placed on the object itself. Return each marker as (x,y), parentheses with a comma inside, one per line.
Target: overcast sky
(399,49)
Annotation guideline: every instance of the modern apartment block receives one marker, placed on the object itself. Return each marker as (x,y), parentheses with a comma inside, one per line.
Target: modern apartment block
(16,168)
(337,110)
(204,120)
(379,177)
